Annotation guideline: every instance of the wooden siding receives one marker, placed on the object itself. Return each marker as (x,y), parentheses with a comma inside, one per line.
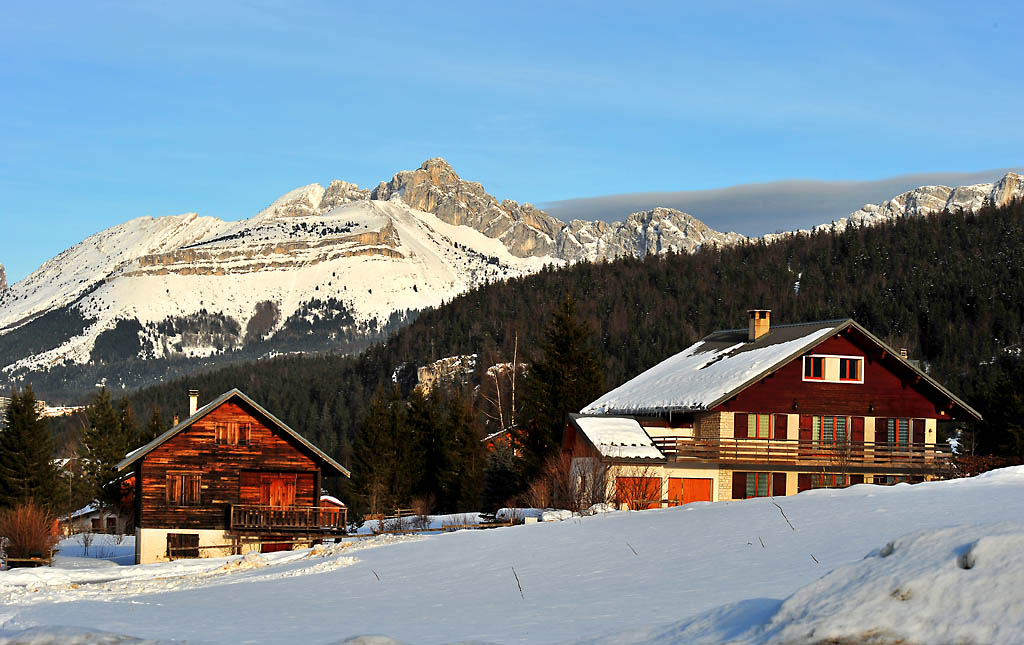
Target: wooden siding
(889,389)
(195,450)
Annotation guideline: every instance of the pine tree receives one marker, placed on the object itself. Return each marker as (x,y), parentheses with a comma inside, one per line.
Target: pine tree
(129,425)
(153,429)
(502,479)
(27,470)
(381,473)
(567,377)
(105,445)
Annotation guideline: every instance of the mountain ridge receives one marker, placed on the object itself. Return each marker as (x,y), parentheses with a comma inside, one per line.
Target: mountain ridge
(409,243)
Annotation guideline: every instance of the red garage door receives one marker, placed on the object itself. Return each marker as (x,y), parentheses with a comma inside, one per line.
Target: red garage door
(683,490)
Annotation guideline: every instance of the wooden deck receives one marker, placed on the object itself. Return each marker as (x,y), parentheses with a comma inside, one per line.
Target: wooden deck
(251,519)
(792,452)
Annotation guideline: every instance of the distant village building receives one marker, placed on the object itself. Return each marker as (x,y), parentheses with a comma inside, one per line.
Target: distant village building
(5,402)
(767,410)
(229,479)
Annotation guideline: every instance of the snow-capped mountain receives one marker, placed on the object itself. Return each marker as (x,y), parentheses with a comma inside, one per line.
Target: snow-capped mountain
(335,263)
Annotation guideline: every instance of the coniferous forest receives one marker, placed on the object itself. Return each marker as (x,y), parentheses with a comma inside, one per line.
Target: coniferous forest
(948,287)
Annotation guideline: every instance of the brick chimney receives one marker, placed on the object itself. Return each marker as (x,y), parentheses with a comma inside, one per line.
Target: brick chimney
(193,401)
(760,323)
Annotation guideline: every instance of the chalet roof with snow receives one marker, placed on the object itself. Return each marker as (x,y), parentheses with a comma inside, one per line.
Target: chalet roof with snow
(616,437)
(134,456)
(724,363)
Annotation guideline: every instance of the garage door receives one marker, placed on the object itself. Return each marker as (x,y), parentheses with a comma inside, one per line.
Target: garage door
(683,490)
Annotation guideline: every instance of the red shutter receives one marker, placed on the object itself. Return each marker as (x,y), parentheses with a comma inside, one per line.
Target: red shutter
(856,479)
(739,485)
(803,482)
(806,430)
(739,425)
(781,425)
(918,425)
(881,432)
(857,431)
(779,484)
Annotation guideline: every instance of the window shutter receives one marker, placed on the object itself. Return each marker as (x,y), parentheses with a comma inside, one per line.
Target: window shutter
(918,431)
(803,482)
(739,485)
(781,425)
(806,427)
(856,479)
(857,431)
(739,425)
(881,432)
(779,484)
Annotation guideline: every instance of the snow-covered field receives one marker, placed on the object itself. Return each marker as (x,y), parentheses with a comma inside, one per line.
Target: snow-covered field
(932,563)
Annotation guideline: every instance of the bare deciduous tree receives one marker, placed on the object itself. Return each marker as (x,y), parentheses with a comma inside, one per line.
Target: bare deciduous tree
(638,486)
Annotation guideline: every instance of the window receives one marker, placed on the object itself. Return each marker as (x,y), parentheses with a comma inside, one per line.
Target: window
(183,489)
(759,426)
(814,368)
(182,545)
(830,481)
(232,434)
(834,369)
(829,430)
(759,484)
(898,432)
(849,369)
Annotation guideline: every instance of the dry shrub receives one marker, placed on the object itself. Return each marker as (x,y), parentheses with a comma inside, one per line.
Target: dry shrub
(30,530)
(571,484)
(423,507)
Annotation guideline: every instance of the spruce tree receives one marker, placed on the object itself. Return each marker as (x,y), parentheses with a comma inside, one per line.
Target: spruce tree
(381,472)
(105,445)
(153,429)
(27,470)
(566,377)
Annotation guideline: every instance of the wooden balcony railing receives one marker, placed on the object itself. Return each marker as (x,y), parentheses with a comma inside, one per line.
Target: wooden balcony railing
(916,456)
(270,519)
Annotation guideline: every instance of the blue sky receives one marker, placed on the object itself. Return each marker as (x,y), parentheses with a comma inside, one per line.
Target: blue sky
(113,110)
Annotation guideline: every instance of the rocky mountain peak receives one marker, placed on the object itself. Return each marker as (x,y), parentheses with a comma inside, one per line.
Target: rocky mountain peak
(435,188)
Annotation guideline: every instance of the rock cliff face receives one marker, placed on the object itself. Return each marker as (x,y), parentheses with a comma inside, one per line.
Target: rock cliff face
(435,188)
(3,279)
(932,199)
(659,230)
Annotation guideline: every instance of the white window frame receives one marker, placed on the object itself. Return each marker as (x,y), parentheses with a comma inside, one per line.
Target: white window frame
(824,367)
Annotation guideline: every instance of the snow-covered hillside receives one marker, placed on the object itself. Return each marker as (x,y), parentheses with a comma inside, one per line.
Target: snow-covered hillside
(930,563)
(186,286)
(373,257)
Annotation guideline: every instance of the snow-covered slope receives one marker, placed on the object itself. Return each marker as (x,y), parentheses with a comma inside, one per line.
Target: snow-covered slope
(930,563)
(373,257)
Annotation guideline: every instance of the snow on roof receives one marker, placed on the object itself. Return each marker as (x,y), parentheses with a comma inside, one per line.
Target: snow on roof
(701,375)
(618,437)
(332,500)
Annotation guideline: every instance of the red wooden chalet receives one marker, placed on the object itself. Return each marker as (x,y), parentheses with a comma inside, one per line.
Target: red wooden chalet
(769,410)
(231,478)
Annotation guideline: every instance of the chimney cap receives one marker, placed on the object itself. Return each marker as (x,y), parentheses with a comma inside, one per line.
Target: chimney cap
(763,312)
(193,392)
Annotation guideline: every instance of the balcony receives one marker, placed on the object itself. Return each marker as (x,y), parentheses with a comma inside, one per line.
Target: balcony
(313,520)
(913,457)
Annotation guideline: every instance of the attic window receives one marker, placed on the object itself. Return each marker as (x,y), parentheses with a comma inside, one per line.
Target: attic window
(814,368)
(834,369)
(232,434)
